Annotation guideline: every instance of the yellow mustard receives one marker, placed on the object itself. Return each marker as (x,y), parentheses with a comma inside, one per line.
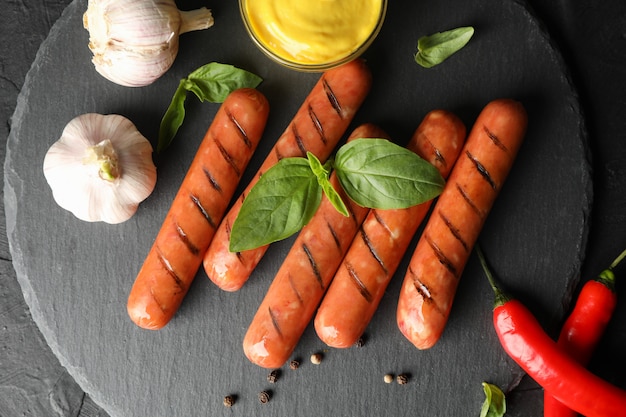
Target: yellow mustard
(314,32)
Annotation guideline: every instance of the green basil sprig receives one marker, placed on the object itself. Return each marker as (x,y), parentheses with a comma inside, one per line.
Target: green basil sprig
(211,82)
(374,173)
(436,48)
(495,402)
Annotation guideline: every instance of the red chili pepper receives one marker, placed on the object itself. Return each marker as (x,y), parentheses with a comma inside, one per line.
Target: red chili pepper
(584,327)
(525,341)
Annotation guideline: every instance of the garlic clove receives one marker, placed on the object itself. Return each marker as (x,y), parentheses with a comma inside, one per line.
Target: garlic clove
(73,168)
(134,42)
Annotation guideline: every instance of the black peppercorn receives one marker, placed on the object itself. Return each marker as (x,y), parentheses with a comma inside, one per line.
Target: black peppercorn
(402,379)
(229,400)
(359,343)
(264,397)
(272,377)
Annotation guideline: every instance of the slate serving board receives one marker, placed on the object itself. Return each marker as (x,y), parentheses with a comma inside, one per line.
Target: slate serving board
(76,276)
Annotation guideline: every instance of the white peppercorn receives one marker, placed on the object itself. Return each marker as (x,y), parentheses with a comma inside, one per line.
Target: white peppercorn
(316,358)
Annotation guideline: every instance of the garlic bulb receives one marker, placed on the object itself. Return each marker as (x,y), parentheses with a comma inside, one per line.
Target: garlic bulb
(101,168)
(134,42)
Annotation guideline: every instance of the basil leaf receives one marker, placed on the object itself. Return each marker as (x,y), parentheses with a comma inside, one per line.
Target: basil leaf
(377,173)
(173,118)
(495,402)
(322,172)
(280,204)
(436,48)
(212,82)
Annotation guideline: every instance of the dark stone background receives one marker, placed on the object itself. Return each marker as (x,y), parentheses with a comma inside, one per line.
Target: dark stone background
(592,38)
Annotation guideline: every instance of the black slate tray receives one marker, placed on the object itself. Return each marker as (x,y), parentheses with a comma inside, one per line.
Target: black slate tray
(76,276)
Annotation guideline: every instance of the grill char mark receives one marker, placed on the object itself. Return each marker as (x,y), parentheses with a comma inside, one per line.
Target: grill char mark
(170,270)
(188,243)
(228,231)
(454,230)
(313,265)
(317,124)
(332,98)
(196,201)
(482,170)
(299,141)
(381,221)
(372,250)
(212,180)
(358,283)
(228,158)
(421,288)
(292,283)
(275,321)
(240,129)
(469,201)
(441,256)
(495,139)
(438,155)
(333,233)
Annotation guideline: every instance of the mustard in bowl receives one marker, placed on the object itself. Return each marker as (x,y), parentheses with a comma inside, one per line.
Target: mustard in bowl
(313,35)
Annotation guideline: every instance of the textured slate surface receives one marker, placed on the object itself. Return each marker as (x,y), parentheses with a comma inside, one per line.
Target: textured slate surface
(94,364)
(32,381)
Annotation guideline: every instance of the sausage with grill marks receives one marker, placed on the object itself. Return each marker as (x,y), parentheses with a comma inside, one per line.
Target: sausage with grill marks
(304,275)
(197,208)
(372,260)
(458,216)
(317,127)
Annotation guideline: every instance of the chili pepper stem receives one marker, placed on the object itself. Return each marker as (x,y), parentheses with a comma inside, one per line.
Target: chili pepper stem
(618,260)
(607,277)
(501,297)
